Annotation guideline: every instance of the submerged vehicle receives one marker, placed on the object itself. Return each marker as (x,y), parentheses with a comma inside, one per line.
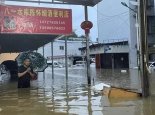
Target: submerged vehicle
(56,64)
(12,67)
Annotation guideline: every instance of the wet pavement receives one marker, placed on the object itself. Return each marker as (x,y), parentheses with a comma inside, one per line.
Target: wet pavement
(59,96)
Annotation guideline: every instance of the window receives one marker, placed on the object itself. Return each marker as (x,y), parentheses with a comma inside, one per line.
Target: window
(151,25)
(61,47)
(150,3)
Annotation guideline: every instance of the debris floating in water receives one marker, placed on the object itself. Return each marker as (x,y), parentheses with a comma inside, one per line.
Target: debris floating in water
(123,71)
(100,87)
(114,92)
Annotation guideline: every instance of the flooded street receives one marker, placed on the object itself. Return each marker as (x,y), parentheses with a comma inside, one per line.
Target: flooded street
(66,47)
(58,96)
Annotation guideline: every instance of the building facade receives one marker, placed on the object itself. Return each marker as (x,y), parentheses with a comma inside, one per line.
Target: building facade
(59,50)
(110,55)
(150,29)
(110,28)
(114,23)
(133,56)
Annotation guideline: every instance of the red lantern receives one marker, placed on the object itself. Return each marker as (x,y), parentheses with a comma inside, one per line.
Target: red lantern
(86,25)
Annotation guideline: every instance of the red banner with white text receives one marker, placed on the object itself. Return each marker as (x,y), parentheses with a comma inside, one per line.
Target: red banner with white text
(35,20)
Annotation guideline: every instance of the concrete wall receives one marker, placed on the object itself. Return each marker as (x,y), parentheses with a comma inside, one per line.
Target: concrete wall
(133,38)
(73,48)
(110,49)
(113,20)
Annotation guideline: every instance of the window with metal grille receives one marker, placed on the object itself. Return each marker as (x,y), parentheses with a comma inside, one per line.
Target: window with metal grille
(61,47)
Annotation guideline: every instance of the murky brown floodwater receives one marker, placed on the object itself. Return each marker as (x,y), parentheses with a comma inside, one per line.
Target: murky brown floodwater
(74,97)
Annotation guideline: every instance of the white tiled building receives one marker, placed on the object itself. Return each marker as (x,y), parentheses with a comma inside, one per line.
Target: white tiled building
(59,49)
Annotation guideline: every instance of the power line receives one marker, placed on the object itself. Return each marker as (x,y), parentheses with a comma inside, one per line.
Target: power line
(109,20)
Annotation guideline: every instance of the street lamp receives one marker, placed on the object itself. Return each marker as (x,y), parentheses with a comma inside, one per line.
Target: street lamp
(124,4)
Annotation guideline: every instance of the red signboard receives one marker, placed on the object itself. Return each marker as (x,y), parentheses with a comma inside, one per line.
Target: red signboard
(35,20)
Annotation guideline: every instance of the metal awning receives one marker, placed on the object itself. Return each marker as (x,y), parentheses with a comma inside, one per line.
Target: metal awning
(73,2)
(23,42)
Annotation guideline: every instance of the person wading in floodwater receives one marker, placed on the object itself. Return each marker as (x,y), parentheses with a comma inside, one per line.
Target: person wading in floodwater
(25,74)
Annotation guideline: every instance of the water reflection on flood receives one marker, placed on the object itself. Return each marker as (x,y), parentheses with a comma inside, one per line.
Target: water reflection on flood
(73,97)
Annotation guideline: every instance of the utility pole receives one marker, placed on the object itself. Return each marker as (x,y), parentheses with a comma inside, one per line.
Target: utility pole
(143,48)
(87,25)
(66,58)
(52,59)
(87,49)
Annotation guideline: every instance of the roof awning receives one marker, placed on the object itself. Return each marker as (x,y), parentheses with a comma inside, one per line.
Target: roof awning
(23,42)
(73,2)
